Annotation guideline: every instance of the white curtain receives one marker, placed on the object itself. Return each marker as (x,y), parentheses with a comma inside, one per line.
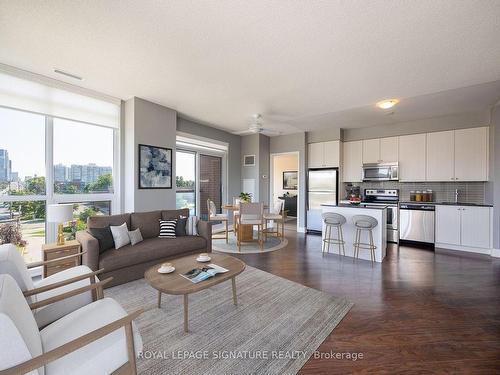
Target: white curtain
(33,96)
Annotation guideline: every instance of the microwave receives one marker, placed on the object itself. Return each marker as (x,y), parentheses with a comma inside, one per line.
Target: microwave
(381,172)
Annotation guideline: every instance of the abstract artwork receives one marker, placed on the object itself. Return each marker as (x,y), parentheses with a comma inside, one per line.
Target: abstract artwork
(155,167)
(290,180)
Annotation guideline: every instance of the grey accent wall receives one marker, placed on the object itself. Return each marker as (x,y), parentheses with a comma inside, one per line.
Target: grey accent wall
(441,123)
(264,165)
(234,150)
(324,135)
(291,143)
(495,174)
(151,124)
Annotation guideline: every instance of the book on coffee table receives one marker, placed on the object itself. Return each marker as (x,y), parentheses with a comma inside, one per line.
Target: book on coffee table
(199,274)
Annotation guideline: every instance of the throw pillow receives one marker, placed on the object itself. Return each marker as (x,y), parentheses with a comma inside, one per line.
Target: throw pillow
(135,236)
(167,228)
(191,226)
(104,237)
(180,227)
(120,235)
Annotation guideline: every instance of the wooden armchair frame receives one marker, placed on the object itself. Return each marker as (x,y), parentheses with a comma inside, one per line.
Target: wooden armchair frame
(128,368)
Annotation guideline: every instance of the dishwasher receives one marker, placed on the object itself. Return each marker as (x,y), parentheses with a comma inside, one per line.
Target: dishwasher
(417,223)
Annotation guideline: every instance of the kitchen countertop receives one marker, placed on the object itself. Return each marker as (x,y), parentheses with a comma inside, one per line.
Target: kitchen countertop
(447,204)
(365,206)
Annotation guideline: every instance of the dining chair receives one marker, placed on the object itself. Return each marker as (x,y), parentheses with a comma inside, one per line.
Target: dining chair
(214,216)
(276,214)
(251,214)
(12,263)
(236,212)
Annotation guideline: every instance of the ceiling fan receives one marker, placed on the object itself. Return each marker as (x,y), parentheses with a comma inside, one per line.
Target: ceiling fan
(256,127)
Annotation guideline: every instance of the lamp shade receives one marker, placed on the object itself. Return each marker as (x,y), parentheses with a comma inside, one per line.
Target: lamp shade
(59,213)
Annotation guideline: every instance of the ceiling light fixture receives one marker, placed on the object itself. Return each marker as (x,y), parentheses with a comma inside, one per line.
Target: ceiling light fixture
(74,76)
(388,103)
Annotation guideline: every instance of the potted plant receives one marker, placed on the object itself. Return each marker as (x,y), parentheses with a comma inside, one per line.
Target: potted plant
(245,197)
(11,233)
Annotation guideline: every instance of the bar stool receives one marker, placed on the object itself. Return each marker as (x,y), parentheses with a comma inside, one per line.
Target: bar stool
(333,220)
(364,223)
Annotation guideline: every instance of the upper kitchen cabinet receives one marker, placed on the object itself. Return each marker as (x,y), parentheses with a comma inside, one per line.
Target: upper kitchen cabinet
(471,154)
(440,158)
(324,154)
(380,150)
(371,151)
(412,156)
(352,161)
(389,149)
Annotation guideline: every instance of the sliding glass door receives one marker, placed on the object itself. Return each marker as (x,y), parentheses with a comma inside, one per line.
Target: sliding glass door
(185,180)
(210,183)
(200,176)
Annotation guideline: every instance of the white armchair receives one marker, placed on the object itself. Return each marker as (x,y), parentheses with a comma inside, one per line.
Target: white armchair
(99,338)
(12,263)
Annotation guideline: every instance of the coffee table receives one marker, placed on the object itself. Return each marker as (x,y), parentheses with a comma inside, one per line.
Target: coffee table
(175,284)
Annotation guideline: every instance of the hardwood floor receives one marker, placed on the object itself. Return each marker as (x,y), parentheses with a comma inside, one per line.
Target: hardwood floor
(417,312)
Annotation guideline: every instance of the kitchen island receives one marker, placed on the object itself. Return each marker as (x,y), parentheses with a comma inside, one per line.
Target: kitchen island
(349,230)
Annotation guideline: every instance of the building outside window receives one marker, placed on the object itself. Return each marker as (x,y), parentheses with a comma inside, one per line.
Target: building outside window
(45,158)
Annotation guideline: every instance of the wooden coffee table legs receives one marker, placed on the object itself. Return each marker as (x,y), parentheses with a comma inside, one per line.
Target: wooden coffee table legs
(186,312)
(186,308)
(233,281)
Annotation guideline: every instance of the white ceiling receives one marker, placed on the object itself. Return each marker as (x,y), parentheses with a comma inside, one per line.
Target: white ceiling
(312,64)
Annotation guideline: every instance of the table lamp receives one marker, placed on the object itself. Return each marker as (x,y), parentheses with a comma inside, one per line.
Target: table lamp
(59,214)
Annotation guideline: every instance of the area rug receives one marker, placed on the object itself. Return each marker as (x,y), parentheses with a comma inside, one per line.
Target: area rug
(276,327)
(272,244)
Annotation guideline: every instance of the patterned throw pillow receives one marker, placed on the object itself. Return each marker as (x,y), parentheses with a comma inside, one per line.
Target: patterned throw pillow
(191,226)
(167,228)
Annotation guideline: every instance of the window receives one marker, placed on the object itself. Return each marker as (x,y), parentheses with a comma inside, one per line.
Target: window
(47,158)
(185,166)
(85,166)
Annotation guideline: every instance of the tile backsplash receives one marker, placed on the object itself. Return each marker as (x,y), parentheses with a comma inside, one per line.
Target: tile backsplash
(470,192)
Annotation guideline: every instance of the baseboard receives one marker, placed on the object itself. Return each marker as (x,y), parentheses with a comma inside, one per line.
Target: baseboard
(476,250)
(495,253)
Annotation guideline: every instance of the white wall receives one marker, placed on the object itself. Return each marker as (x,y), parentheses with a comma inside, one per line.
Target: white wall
(283,163)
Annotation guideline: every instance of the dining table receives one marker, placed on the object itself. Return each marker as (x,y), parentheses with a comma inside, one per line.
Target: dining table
(246,229)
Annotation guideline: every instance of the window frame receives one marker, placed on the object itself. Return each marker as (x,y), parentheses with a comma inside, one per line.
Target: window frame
(50,197)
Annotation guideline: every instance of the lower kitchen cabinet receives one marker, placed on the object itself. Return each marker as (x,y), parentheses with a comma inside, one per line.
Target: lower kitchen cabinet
(467,228)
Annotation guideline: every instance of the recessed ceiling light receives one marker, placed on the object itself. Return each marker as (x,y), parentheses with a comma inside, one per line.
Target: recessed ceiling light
(71,75)
(388,103)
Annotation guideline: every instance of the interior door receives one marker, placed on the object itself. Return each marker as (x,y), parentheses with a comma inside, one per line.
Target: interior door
(210,183)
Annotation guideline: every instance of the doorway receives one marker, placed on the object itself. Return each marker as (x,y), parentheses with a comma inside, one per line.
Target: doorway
(284,185)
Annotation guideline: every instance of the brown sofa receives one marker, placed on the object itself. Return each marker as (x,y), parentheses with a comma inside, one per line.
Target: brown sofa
(129,262)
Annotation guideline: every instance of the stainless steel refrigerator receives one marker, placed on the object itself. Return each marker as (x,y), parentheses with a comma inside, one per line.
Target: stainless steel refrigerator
(322,188)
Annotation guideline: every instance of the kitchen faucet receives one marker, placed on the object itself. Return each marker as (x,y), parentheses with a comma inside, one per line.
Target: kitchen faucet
(456,195)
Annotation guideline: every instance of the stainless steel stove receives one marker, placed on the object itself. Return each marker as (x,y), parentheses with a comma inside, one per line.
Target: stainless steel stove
(389,198)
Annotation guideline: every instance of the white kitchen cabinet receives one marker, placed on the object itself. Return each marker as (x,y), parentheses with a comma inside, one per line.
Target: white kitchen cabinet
(448,225)
(352,161)
(380,150)
(315,155)
(389,149)
(467,228)
(324,154)
(475,227)
(471,154)
(331,154)
(440,156)
(412,157)
(371,151)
